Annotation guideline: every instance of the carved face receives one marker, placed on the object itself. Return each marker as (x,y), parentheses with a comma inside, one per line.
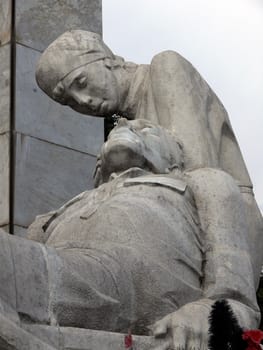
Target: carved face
(139,143)
(92,89)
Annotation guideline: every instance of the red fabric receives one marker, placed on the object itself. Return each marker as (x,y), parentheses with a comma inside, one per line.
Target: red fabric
(128,341)
(253,338)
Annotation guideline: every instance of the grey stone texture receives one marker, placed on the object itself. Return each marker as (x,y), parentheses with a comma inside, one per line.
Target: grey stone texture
(4,88)
(14,337)
(39,116)
(125,222)
(20,231)
(48,334)
(5,228)
(161,92)
(5,34)
(147,247)
(39,22)
(46,176)
(5,21)
(4,179)
(67,137)
(157,241)
(68,338)
(38,272)
(7,287)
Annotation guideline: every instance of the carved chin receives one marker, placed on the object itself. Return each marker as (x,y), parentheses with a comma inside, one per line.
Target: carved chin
(86,110)
(120,155)
(99,109)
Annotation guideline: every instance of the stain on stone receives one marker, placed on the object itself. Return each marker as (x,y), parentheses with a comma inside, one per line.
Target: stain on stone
(5,22)
(35,18)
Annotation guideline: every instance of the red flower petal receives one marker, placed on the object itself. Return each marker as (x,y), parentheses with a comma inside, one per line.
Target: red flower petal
(255,335)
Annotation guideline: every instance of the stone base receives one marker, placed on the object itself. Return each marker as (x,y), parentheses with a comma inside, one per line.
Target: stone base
(31,337)
(83,339)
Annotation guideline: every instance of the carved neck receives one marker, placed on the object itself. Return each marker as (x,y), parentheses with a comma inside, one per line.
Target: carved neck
(135,92)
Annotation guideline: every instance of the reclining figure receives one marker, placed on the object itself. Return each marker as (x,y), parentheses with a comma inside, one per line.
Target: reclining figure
(152,244)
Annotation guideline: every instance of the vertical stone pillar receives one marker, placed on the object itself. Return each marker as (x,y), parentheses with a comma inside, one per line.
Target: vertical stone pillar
(5,68)
(55,148)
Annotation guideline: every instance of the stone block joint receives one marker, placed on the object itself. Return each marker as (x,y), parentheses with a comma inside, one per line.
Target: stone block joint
(12,115)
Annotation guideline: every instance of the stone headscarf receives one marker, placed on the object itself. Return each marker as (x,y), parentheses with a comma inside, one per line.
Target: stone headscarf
(71,50)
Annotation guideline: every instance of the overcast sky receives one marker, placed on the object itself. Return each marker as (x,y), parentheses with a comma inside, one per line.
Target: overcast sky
(223,39)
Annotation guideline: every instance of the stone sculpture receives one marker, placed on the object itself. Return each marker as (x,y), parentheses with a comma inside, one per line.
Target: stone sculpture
(79,70)
(172,225)
(133,251)
(169,92)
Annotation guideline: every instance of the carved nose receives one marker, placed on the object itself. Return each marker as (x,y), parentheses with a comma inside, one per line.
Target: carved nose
(88,100)
(80,100)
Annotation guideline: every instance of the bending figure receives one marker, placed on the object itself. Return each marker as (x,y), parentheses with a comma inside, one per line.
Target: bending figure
(79,70)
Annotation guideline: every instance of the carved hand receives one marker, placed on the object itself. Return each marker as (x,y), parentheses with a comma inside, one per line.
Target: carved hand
(186,328)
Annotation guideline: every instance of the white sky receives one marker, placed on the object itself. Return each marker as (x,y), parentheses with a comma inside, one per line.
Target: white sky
(223,39)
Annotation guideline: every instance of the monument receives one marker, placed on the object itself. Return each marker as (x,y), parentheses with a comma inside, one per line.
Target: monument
(171,227)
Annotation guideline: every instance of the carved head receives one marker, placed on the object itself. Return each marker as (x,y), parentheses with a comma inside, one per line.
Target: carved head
(77,69)
(138,143)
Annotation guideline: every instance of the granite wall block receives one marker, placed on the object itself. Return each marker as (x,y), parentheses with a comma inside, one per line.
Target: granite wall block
(5,21)
(5,35)
(47,175)
(4,88)
(55,146)
(37,115)
(4,179)
(39,22)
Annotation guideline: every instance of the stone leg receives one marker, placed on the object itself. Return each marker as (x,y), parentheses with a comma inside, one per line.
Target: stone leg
(13,337)
(24,287)
(40,285)
(30,293)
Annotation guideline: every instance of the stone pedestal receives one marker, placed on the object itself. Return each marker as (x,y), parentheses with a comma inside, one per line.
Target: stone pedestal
(31,337)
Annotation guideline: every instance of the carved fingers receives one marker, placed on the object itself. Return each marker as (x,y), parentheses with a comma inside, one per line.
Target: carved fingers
(187,328)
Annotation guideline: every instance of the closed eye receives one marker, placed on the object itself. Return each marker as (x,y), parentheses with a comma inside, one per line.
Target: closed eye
(81,82)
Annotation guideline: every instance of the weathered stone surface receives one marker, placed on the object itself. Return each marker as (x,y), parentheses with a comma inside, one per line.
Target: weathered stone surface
(4,87)
(5,228)
(13,337)
(33,283)
(169,91)
(83,339)
(48,334)
(105,267)
(5,21)
(132,251)
(8,284)
(125,256)
(20,231)
(39,116)
(4,179)
(46,176)
(40,22)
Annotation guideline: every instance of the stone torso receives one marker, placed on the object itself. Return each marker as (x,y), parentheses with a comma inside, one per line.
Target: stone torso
(171,93)
(146,232)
